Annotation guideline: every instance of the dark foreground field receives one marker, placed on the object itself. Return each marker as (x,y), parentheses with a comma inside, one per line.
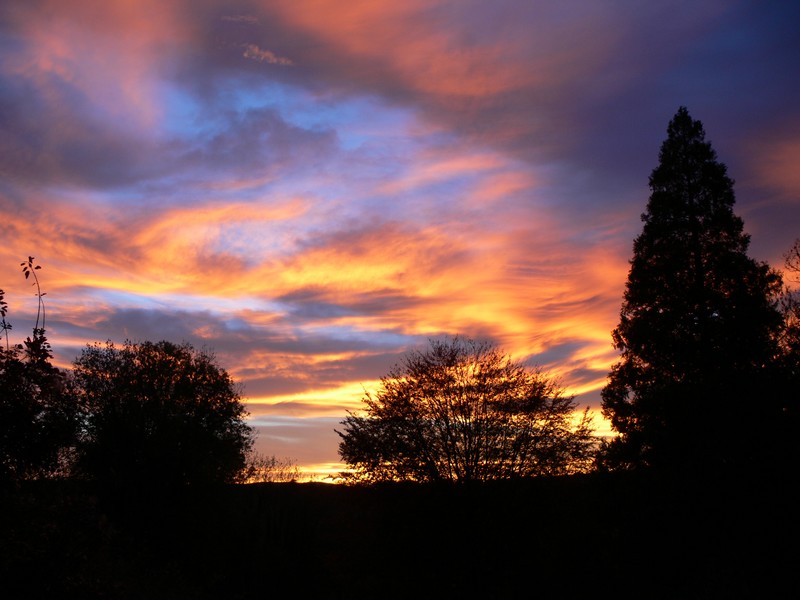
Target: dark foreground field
(634,536)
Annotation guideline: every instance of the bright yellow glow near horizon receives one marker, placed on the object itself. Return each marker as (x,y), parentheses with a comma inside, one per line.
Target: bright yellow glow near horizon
(325,402)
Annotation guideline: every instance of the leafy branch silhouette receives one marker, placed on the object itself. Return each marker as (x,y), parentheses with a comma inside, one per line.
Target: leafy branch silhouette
(4,325)
(36,347)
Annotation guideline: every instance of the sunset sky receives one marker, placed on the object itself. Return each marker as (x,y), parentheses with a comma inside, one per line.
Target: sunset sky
(309,188)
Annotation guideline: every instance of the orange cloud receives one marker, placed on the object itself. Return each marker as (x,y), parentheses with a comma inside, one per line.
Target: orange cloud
(441,50)
(409,45)
(777,166)
(435,167)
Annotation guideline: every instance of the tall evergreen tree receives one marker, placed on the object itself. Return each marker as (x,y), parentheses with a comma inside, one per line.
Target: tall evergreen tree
(699,322)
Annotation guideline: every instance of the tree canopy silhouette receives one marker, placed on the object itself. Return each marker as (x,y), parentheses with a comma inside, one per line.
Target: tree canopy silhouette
(464,411)
(159,414)
(790,347)
(699,322)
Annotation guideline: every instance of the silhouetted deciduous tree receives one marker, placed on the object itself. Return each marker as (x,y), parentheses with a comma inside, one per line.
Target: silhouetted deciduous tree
(790,348)
(791,304)
(37,417)
(37,410)
(159,414)
(699,323)
(464,411)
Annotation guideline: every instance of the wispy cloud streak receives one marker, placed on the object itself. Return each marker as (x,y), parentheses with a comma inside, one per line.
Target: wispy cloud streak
(253,52)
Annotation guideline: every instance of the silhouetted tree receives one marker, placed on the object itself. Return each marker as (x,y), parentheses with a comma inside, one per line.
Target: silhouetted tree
(37,410)
(790,350)
(37,417)
(791,304)
(464,411)
(699,323)
(159,414)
